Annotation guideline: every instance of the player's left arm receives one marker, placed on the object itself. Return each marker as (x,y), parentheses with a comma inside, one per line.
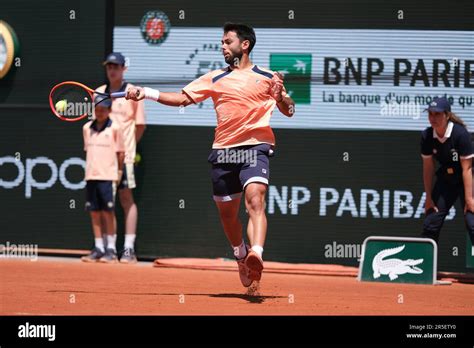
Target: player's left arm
(84,137)
(285,104)
(467,179)
(139,130)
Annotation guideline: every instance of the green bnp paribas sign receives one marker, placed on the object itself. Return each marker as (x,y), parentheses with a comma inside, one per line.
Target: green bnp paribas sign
(296,67)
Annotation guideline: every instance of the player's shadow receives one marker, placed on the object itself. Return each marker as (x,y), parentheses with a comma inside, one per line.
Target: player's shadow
(246,297)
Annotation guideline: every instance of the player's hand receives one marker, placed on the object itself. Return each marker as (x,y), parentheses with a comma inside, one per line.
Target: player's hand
(430,207)
(469,206)
(277,87)
(135,93)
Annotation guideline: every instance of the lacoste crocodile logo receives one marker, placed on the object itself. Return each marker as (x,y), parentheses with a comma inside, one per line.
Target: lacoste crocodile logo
(394,267)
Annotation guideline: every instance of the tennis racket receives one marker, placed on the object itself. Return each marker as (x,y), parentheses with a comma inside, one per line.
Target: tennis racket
(72,101)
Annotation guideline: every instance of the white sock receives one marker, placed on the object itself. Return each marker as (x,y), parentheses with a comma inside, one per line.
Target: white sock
(129,241)
(99,244)
(258,249)
(240,251)
(472,250)
(111,241)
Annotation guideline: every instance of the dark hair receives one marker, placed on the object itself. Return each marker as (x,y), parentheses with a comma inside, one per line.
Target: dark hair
(456,119)
(244,32)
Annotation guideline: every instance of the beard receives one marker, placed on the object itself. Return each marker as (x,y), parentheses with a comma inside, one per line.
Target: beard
(234,58)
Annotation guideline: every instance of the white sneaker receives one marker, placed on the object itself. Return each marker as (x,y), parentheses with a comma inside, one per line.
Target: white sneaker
(244,273)
(255,265)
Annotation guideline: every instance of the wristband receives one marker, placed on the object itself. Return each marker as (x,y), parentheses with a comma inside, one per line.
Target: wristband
(152,94)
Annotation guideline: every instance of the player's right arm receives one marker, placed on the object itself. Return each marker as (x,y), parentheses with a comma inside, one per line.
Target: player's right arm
(428,173)
(167,98)
(195,92)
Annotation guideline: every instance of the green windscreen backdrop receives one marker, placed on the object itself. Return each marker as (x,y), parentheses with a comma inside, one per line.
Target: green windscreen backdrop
(343,170)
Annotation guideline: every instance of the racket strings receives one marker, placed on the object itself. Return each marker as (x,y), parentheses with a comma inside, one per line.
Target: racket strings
(72,101)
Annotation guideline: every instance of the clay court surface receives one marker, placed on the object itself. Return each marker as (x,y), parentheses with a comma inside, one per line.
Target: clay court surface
(60,286)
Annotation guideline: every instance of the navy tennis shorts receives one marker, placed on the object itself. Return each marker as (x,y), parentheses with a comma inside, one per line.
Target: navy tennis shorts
(234,168)
(100,195)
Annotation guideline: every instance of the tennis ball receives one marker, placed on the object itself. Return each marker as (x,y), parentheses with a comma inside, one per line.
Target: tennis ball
(61,105)
(138,158)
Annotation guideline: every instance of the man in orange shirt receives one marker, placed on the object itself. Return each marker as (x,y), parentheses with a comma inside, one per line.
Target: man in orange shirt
(131,119)
(104,146)
(244,97)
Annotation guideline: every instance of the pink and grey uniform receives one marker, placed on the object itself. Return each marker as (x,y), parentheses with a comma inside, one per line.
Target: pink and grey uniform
(127,114)
(243,138)
(101,146)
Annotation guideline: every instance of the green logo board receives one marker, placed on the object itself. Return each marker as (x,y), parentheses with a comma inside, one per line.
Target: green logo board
(296,68)
(398,260)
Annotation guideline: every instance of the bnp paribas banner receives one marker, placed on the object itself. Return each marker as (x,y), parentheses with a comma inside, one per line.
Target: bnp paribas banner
(340,79)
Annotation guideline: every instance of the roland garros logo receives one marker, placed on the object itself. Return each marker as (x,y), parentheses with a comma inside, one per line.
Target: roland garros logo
(155,27)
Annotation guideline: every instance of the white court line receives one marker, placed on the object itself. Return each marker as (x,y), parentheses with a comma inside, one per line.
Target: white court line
(75,260)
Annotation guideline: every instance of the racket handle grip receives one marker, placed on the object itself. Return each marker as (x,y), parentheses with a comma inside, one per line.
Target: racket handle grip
(118,94)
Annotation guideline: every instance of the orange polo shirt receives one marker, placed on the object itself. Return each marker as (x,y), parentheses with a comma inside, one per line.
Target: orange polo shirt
(101,146)
(243,104)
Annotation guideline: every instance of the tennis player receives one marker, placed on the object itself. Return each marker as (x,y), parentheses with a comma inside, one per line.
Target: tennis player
(104,146)
(244,97)
(449,142)
(131,118)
